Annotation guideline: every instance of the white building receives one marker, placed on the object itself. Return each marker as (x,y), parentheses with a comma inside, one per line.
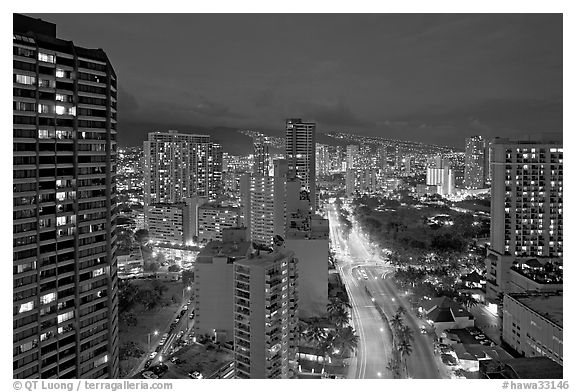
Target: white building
(214,284)
(213,219)
(265,314)
(532,324)
(308,237)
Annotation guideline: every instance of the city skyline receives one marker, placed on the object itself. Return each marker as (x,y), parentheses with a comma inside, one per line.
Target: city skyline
(334,247)
(425,78)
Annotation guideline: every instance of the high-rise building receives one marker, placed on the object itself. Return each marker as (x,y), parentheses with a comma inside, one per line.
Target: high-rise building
(261,155)
(526,206)
(265,313)
(322,160)
(301,154)
(307,236)
(262,201)
(180,165)
(213,218)
(336,160)
(65,302)
(214,284)
(352,156)
(361,181)
(474,170)
(382,158)
(440,174)
(166,222)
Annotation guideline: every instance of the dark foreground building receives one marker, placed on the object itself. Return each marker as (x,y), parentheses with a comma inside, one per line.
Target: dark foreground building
(65,310)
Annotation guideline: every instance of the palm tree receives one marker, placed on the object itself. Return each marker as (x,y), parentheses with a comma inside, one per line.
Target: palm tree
(326,346)
(340,317)
(336,304)
(397,321)
(315,335)
(406,333)
(401,310)
(346,341)
(394,366)
(466,300)
(405,349)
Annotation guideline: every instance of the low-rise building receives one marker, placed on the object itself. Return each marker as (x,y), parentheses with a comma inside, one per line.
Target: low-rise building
(532,324)
(520,368)
(443,313)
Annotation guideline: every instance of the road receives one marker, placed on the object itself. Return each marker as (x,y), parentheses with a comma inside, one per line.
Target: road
(184,325)
(360,268)
(374,349)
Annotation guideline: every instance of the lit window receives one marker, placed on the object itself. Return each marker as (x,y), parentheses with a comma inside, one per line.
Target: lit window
(65,316)
(25,79)
(49,58)
(26,307)
(46,299)
(60,73)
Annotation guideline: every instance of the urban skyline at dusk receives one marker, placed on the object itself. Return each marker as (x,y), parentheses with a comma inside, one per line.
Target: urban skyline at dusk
(288,196)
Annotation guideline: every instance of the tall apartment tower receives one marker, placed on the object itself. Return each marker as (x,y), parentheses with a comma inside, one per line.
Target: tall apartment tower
(180,165)
(526,205)
(352,156)
(301,154)
(261,155)
(474,170)
(65,303)
(265,314)
(322,160)
(262,201)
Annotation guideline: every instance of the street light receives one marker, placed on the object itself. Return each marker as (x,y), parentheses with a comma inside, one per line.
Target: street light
(155,334)
(185,289)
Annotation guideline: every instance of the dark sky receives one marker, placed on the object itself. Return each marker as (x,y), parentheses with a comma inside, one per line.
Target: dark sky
(434,78)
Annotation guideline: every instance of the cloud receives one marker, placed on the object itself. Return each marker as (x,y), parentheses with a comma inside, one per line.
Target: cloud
(127,102)
(332,113)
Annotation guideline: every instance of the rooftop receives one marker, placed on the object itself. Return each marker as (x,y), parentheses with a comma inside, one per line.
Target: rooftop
(224,249)
(532,368)
(546,305)
(265,258)
(542,138)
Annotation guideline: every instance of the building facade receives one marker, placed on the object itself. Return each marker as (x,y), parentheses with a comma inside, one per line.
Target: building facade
(261,155)
(180,165)
(213,219)
(532,324)
(308,237)
(526,206)
(301,154)
(474,170)
(322,160)
(265,314)
(65,309)
(213,284)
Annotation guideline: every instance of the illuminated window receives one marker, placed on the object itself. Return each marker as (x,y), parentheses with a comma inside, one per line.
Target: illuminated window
(60,73)
(46,299)
(26,307)
(65,316)
(49,58)
(25,79)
